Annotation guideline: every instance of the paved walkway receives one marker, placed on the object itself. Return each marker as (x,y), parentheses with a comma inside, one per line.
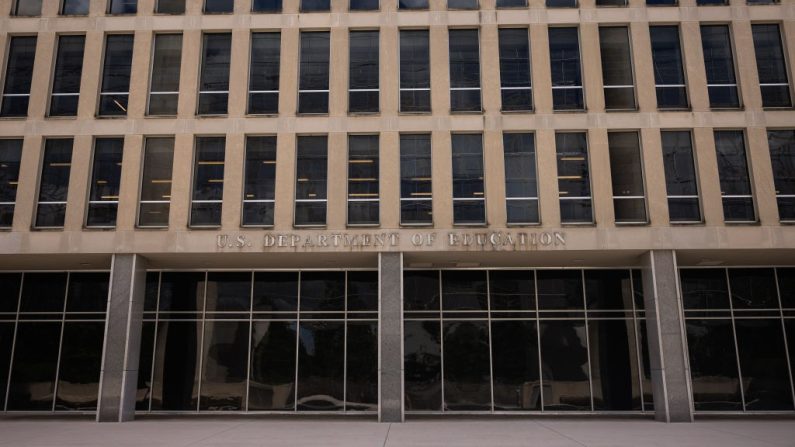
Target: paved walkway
(283,432)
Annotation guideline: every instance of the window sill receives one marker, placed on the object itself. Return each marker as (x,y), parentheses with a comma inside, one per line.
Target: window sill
(683,109)
(138,227)
(466,112)
(310,114)
(87,228)
(110,117)
(632,110)
(46,228)
(256,227)
(742,223)
(72,117)
(354,226)
(204,227)
(571,111)
(632,224)
(14,118)
(778,109)
(419,225)
(727,109)
(220,115)
(686,224)
(424,113)
(376,113)
(523,225)
(471,225)
(517,112)
(160,116)
(578,224)
(262,115)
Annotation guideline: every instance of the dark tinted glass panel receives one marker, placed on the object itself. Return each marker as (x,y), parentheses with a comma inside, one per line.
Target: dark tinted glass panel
(511,3)
(680,177)
(415,71)
(321,368)
(170,6)
(661,2)
(362,291)
(462,4)
(123,6)
(152,291)
(719,62)
(735,184)
(514,350)
(219,6)
(421,290)
(464,290)
(704,288)
(208,181)
(559,289)
(564,54)
(786,287)
(790,328)
(181,292)
(512,290)
(415,179)
(574,184)
(617,68)
(363,73)
(311,176)
(782,158)
(711,2)
(144,388)
(275,291)
(515,73)
(669,75)
(753,289)
(34,368)
(228,292)
(156,182)
(175,381)
(43,292)
(467,374)
(626,170)
(521,188)
(611,2)
(224,365)
(322,291)
(18,77)
(564,365)
(54,183)
(315,5)
(561,3)
(364,5)
(88,292)
(412,4)
(9,299)
(468,185)
(423,365)
(713,365)
(363,184)
(771,65)
(105,179)
(264,73)
(10,157)
(648,397)
(81,359)
(67,74)
(266,5)
(614,366)
(362,366)
(272,376)
(166,60)
(260,186)
(313,83)
(763,362)
(6,343)
(608,290)
(464,70)
(214,84)
(116,75)
(27,8)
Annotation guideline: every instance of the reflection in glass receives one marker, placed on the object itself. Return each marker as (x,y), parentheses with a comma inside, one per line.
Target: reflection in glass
(735,182)
(713,365)
(363,5)
(619,83)
(362,366)
(415,67)
(28,8)
(680,177)
(80,363)
(103,199)
(181,292)
(719,63)
(564,56)
(564,367)
(782,157)
(315,5)
(88,292)
(574,182)
(214,79)
(362,291)
(322,291)
(514,348)
(266,5)
(34,368)
(763,363)
(9,299)
(66,76)
(753,288)
(115,92)
(10,158)
(155,201)
(6,343)
(626,170)
(614,365)
(313,81)
(423,365)
(164,85)
(512,290)
(321,366)
(608,290)
(43,292)
(310,181)
(123,6)
(559,289)
(771,65)
(208,181)
(19,76)
(228,292)
(272,376)
(54,183)
(175,381)
(224,358)
(263,94)
(669,75)
(275,291)
(416,204)
(170,7)
(786,287)
(144,387)
(515,76)
(421,290)
(704,289)
(464,290)
(467,374)
(363,94)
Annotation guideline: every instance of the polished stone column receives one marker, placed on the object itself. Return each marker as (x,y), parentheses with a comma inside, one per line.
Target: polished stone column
(670,376)
(119,374)
(390,330)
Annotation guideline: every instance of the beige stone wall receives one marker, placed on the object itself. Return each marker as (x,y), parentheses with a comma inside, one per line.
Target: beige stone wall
(605,234)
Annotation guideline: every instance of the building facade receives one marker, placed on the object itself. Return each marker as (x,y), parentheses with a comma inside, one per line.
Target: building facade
(397,207)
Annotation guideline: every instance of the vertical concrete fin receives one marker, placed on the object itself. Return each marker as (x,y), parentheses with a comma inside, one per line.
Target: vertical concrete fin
(390,337)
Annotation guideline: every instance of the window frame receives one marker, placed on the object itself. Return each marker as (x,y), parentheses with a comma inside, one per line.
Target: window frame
(14,203)
(787,65)
(62,5)
(450,72)
(142,172)
(91,179)
(697,180)
(327,91)
(348,199)
(400,179)
(589,160)
(194,165)
(249,74)
(782,220)
(15,9)
(530,74)
(199,92)
(109,7)
(100,81)
(296,200)
(415,89)
(152,53)
(732,48)
(352,90)
(537,197)
(4,73)
(40,176)
(642,167)
(482,199)
(53,69)
(749,172)
(688,100)
(631,67)
(581,87)
(243,199)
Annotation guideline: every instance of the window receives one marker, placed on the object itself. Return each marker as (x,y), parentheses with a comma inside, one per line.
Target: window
(574,183)
(266,5)
(719,62)
(263,90)
(218,6)
(122,6)
(564,50)
(363,174)
(511,3)
(54,183)
(669,75)
(561,3)
(464,70)
(416,204)
(115,91)
(19,75)
(626,170)
(315,5)
(26,8)
(680,177)
(415,71)
(314,72)
(763,2)
(363,93)
(521,181)
(412,4)
(363,5)
(170,7)
(711,2)
(310,180)
(74,7)
(619,83)
(515,75)
(469,201)
(214,84)
(782,157)
(661,2)
(164,86)
(462,4)
(260,181)
(66,79)
(735,181)
(208,182)
(771,65)
(10,156)
(103,199)
(611,2)
(156,182)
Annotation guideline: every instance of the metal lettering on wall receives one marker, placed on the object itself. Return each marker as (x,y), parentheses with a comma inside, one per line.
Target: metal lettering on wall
(386,241)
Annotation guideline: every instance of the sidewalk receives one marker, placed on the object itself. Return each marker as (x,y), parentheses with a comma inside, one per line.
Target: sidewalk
(283,432)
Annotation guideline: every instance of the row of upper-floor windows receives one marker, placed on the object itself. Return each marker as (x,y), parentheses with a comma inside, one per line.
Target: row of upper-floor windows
(27,8)
(416,180)
(515,78)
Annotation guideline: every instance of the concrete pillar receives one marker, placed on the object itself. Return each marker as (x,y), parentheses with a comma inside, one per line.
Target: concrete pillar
(670,369)
(119,374)
(390,353)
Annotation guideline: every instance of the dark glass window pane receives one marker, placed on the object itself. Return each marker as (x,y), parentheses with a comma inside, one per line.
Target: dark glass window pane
(362,291)
(559,289)
(181,292)
(753,288)
(464,290)
(771,65)
(170,7)
(264,73)
(512,290)
(415,179)
(363,5)
(619,84)
(10,157)
(88,292)
(81,360)
(260,181)
(608,290)
(166,60)
(175,381)
(735,184)
(511,3)
(67,74)
(116,75)
(713,365)
(54,183)
(322,291)
(711,2)
(462,4)
(611,2)
(228,292)
(272,375)
(421,290)
(311,175)
(464,70)
(208,181)
(156,182)
(422,353)
(680,177)
(144,387)
(561,3)
(27,8)
(468,185)
(790,329)
(648,397)
(313,82)
(719,62)
(105,179)
(786,287)
(266,5)
(6,343)
(782,158)
(363,184)
(9,300)
(315,5)
(626,170)
(151,292)
(123,6)
(18,77)
(415,71)
(564,54)
(515,82)
(669,75)
(275,291)
(321,367)
(218,6)
(361,391)
(514,348)
(614,366)
(364,72)
(214,84)
(564,365)
(763,363)
(704,289)
(661,2)
(32,381)
(574,184)
(412,4)
(43,292)
(224,365)
(467,376)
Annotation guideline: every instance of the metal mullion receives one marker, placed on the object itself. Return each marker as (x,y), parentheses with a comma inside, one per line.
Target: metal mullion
(587,337)
(491,354)
(734,336)
(538,340)
(154,341)
(250,335)
(784,334)
(441,338)
(345,348)
(201,343)
(60,342)
(297,341)
(13,342)
(638,347)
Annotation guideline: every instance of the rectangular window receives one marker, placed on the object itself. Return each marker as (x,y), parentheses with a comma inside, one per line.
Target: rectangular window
(170,7)
(314,72)
(771,65)
(617,77)
(669,75)
(412,4)
(263,89)
(54,183)
(266,5)
(315,5)
(511,3)
(782,157)
(680,177)
(363,174)
(719,64)
(462,4)
(735,179)
(115,91)
(521,181)
(164,85)
(711,2)
(661,2)
(626,170)
(260,181)
(122,6)
(74,7)
(311,180)
(763,2)
(27,8)
(363,92)
(214,84)
(19,75)
(103,199)
(208,182)
(219,6)
(574,183)
(66,78)
(469,200)
(515,75)
(611,2)
(564,54)
(10,156)
(363,5)
(561,3)
(156,182)
(415,71)
(416,204)
(464,70)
